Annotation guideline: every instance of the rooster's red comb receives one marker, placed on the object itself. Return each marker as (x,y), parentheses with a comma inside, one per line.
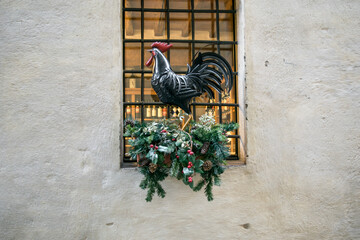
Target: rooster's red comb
(163,47)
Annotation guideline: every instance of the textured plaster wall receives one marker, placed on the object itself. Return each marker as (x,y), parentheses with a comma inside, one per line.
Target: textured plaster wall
(60,77)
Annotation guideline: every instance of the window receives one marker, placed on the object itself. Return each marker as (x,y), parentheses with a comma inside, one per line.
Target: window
(191,26)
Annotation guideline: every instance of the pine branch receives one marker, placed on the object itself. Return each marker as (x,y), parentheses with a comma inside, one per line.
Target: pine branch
(199,185)
(150,192)
(160,191)
(217,180)
(208,190)
(143,183)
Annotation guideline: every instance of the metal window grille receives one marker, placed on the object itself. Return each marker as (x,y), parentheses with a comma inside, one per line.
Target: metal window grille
(144,22)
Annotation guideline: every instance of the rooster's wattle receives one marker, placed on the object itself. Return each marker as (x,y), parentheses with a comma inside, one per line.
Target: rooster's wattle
(207,70)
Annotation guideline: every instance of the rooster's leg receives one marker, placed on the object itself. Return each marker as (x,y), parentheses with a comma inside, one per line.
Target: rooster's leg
(187,122)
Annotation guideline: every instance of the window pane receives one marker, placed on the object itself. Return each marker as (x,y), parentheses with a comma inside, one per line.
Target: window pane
(213,110)
(203,47)
(132,25)
(154,25)
(230,97)
(180,25)
(176,112)
(132,3)
(127,147)
(132,84)
(225,4)
(132,59)
(226,26)
(132,112)
(155,4)
(180,4)
(180,56)
(234,145)
(227,51)
(205,26)
(204,4)
(229,114)
(149,93)
(154,112)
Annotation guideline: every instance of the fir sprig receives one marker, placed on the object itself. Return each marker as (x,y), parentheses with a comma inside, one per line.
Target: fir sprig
(167,149)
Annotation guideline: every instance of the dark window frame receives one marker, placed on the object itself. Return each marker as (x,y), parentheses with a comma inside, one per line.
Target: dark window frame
(126,161)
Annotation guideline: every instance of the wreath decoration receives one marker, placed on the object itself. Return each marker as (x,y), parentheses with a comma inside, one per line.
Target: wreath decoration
(163,149)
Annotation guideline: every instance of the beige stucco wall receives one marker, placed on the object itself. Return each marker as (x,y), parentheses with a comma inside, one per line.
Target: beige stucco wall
(59,148)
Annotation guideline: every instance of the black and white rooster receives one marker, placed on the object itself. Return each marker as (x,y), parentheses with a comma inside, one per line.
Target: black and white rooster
(207,70)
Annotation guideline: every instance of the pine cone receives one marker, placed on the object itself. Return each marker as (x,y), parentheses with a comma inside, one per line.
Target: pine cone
(205,148)
(167,160)
(129,122)
(207,165)
(152,167)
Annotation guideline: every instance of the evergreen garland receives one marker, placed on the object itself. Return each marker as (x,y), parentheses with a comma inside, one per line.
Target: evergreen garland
(154,143)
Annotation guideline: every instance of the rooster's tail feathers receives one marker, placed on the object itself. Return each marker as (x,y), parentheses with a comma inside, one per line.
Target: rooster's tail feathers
(208,69)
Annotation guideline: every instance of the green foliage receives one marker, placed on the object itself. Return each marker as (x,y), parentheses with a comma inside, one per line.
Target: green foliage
(151,181)
(160,141)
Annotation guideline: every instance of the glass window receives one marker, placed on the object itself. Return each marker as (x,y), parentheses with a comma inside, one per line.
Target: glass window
(191,26)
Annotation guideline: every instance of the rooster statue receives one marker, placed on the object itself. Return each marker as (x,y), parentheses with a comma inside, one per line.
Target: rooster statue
(207,70)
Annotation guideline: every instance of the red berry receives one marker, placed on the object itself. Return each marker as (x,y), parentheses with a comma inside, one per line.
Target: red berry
(151,146)
(173,139)
(191,153)
(177,157)
(188,151)
(190,179)
(156,147)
